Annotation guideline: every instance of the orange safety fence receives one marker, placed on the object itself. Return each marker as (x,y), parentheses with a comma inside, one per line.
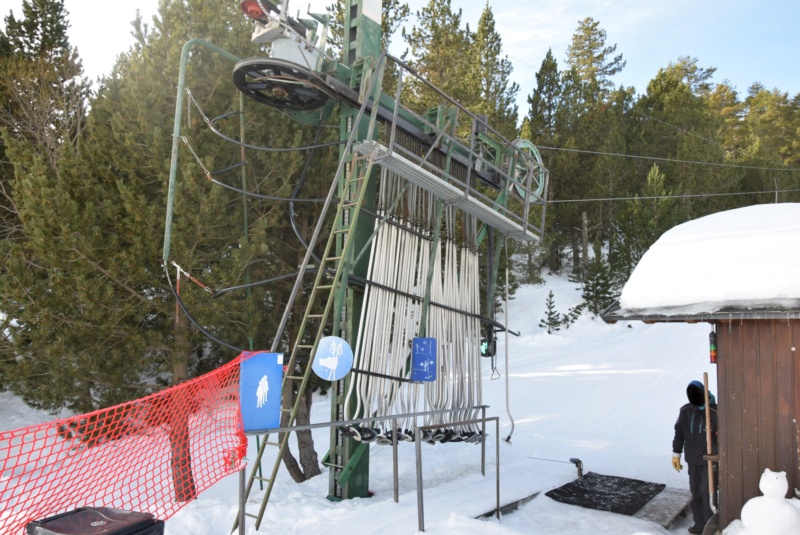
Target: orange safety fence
(153,455)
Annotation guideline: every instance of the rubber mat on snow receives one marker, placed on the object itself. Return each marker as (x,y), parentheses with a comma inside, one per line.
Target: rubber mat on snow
(607,493)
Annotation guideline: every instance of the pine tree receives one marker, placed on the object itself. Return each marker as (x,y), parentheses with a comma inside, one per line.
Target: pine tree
(42,94)
(543,102)
(393,14)
(573,117)
(724,100)
(571,167)
(773,117)
(599,290)
(639,223)
(539,126)
(496,94)
(572,315)
(592,59)
(553,320)
(441,53)
(41,33)
(86,296)
(42,109)
(589,117)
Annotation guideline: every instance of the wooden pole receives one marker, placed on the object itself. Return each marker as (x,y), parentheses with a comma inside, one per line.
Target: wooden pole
(709,449)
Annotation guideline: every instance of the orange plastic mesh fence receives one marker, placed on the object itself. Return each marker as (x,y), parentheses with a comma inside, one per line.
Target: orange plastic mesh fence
(153,454)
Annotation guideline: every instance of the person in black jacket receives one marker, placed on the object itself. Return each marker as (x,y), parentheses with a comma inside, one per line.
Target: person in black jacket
(690,439)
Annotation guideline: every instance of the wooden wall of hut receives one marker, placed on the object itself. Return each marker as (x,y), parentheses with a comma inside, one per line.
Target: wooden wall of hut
(757,379)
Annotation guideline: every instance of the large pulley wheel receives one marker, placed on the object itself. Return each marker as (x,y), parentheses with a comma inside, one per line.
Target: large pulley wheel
(280,84)
(529,163)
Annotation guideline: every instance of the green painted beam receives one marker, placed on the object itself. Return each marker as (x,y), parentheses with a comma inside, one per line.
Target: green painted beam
(352,464)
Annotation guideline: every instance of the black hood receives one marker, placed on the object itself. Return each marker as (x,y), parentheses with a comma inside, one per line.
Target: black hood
(695,394)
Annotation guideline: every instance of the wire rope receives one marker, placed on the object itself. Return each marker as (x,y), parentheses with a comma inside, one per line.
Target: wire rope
(505,314)
(686,196)
(300,182)
(292,220)
(673,160)
(252,193)
(191,318)
(211,125)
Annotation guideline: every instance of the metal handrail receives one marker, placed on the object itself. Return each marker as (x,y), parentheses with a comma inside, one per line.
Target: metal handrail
(373,419)
(466,149)
(417,448)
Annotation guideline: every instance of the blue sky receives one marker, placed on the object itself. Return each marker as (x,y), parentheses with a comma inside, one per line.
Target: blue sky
(746,41)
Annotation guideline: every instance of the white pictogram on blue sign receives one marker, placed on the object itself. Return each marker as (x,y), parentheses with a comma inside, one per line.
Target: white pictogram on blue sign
(259,373)
(423,359)
(333,358)
(262,394)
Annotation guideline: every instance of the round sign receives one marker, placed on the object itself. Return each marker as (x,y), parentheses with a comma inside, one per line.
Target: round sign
(333,358)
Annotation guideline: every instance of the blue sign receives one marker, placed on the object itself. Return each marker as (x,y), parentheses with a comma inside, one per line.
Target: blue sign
(423,359)
(333,358)
(260,379)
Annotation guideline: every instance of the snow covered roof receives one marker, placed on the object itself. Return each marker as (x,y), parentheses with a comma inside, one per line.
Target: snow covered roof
(741,263)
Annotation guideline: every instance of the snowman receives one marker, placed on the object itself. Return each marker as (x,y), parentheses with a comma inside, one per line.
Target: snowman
(772,513)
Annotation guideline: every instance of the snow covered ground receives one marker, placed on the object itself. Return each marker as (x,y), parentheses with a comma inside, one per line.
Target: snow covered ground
(607,394)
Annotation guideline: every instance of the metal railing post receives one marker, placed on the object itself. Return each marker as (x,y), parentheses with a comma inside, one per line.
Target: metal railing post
(420,505)
(396,109)
(483,441)
(394,461)
(497,461)
(242,500)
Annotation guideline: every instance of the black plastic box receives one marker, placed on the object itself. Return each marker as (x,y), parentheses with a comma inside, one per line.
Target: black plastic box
(97,521)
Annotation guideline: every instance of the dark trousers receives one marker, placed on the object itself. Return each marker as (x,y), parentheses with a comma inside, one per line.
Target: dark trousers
(698,486)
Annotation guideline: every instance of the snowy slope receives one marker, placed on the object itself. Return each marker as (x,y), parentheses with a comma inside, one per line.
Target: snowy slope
(607,394)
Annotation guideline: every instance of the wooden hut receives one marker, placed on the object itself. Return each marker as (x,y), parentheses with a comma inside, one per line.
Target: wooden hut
(739,271)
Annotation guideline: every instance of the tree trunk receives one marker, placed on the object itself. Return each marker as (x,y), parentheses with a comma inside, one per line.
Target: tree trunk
(554,256)
(585,242)
(292,466)
(182,478)
(576,254)
(305,442)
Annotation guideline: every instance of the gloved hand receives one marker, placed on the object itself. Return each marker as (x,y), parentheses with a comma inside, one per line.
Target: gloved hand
(676,463)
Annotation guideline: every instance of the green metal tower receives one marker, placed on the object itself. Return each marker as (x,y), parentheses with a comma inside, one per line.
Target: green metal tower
(349,459)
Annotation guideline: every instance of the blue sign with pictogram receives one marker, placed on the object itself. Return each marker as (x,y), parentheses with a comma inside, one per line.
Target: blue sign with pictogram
(423,359)
(260,379)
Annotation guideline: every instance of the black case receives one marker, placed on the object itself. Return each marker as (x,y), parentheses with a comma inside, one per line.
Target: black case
(97,521)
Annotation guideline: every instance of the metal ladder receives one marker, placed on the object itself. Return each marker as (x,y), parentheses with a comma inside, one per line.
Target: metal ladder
(329,289)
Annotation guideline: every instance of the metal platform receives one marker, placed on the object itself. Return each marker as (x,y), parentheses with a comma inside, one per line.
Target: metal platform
(665,507)
(446,191)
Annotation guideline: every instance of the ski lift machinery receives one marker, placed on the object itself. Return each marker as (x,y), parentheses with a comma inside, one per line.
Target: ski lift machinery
(447,151)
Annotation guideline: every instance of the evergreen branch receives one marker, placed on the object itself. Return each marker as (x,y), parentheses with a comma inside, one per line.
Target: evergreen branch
(108,275)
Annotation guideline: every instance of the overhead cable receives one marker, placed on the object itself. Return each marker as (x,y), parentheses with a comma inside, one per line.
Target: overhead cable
(673,160)
(685,196)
